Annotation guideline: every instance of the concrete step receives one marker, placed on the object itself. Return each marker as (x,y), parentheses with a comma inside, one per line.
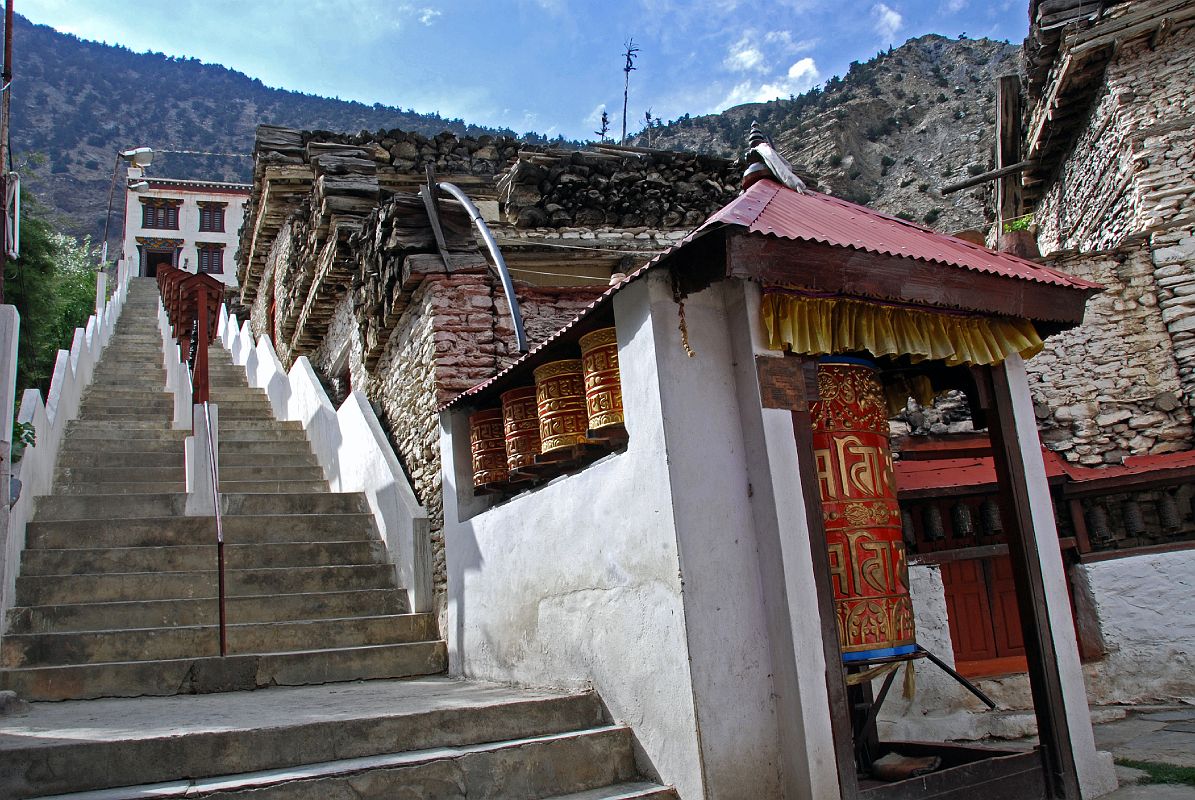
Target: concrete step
(172,531)
(200,611)
(77,746)
(270,444)
(177,642)
(270,487)
(70,486)
(115,506)
(636,790)
(254,458)
(240,430)
(105,459)
(43,590)
(188,558)
(532,768)
(117,475)
(202,675)
(125,430)
(108,446)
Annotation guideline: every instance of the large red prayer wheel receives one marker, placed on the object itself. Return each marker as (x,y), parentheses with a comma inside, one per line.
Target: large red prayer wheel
(868,567)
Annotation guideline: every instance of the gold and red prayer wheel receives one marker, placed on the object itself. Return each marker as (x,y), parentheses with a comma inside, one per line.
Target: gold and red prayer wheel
(488,445)
(603,388)
(868,566)
(560,404)
(520,420)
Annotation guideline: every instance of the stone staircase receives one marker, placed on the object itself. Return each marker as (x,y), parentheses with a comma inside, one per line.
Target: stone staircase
(117,600)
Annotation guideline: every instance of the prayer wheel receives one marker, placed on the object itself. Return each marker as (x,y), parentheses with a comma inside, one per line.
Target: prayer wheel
(488,445)
(868,567)
(603,389)
(521,425)
(560,404)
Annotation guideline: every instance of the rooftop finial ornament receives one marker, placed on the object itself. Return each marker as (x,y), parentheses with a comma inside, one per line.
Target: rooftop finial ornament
(765,162)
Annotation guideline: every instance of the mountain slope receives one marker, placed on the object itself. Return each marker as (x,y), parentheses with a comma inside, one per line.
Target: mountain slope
(890,133)
(76,103)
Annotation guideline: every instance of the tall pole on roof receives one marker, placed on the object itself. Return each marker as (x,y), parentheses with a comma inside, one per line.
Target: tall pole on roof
(631,53)
(5,93)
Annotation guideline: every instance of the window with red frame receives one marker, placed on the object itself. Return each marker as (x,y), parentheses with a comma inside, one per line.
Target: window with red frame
(211,217)
(159,215)
(211,258)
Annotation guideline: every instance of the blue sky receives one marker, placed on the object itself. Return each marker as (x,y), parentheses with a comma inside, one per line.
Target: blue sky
(543,65)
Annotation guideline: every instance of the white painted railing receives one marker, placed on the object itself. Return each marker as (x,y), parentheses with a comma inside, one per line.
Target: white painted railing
(178,374)
(72,373)
(352,449)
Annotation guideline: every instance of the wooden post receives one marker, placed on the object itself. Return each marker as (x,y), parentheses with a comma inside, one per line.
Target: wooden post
(1009,195)
(840,704)
(1013,442)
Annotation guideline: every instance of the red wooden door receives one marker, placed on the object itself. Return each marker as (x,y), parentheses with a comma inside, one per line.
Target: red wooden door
(981,608)
(968,610)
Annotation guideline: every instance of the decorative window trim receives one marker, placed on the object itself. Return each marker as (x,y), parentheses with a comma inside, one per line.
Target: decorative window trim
(160,213)
(209,258)
(211,216)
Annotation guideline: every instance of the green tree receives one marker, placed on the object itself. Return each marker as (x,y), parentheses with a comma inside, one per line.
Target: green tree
(52,285)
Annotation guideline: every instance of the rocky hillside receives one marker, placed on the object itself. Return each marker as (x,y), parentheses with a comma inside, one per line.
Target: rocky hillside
(890,133)
(75,103)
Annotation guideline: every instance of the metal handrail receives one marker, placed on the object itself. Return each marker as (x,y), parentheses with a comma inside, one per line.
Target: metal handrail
(215,476)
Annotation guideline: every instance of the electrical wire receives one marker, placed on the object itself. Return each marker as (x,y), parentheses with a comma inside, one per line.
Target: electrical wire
(596,278)
(607,250)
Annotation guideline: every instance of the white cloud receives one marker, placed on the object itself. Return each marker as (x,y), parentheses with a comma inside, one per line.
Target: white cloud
(955,6)
(428,15)
(595,116)
(801,76)
(785,41)
(744,57)
(887,21)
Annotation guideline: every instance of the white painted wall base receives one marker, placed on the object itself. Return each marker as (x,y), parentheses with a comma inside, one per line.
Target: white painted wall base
(72,374)
(352,449)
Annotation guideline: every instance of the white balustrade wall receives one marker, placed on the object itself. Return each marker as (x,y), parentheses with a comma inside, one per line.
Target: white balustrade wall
(352,449)
(72,373)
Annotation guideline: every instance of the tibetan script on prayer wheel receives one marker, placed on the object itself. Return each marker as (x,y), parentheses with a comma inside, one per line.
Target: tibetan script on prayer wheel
(603,390)
(863,528)
(560,402)
(521,423)
(488,445)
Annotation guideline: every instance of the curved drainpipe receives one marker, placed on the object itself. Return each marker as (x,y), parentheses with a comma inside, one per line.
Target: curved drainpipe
(512,302)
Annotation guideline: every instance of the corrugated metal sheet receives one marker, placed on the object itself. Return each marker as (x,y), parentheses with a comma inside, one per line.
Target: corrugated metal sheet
(770,209)
(951,473)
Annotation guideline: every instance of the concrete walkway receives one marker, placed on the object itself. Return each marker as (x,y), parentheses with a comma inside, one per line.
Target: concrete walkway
(1160,734)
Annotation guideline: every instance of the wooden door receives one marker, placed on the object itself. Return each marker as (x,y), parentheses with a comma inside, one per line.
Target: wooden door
(981,609)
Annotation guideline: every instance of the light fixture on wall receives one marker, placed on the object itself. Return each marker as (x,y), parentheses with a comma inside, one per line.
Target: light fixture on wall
(140,157)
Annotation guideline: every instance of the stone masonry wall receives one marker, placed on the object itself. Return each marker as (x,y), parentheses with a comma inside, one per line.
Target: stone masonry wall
(454,333)
(1110,388)
(1133,168)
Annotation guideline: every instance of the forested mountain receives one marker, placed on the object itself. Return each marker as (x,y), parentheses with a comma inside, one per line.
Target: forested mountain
(889,133)
(75,103)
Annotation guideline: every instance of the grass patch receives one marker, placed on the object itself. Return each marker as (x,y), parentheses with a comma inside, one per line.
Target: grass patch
(1161,773)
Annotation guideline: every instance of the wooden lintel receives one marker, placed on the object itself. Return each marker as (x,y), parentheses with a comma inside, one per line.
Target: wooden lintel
(858,273)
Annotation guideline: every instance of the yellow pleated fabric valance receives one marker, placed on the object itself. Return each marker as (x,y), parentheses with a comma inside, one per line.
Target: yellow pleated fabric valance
(828,325)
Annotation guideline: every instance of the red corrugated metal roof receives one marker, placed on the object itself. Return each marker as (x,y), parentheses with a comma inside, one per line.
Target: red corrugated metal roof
(771,209)
(768,208)
(950,473)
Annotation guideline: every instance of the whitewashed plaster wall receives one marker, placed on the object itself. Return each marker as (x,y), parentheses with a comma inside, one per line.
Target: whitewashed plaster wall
(1150,652)
(577,584)
(638,575)
(1142,603)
